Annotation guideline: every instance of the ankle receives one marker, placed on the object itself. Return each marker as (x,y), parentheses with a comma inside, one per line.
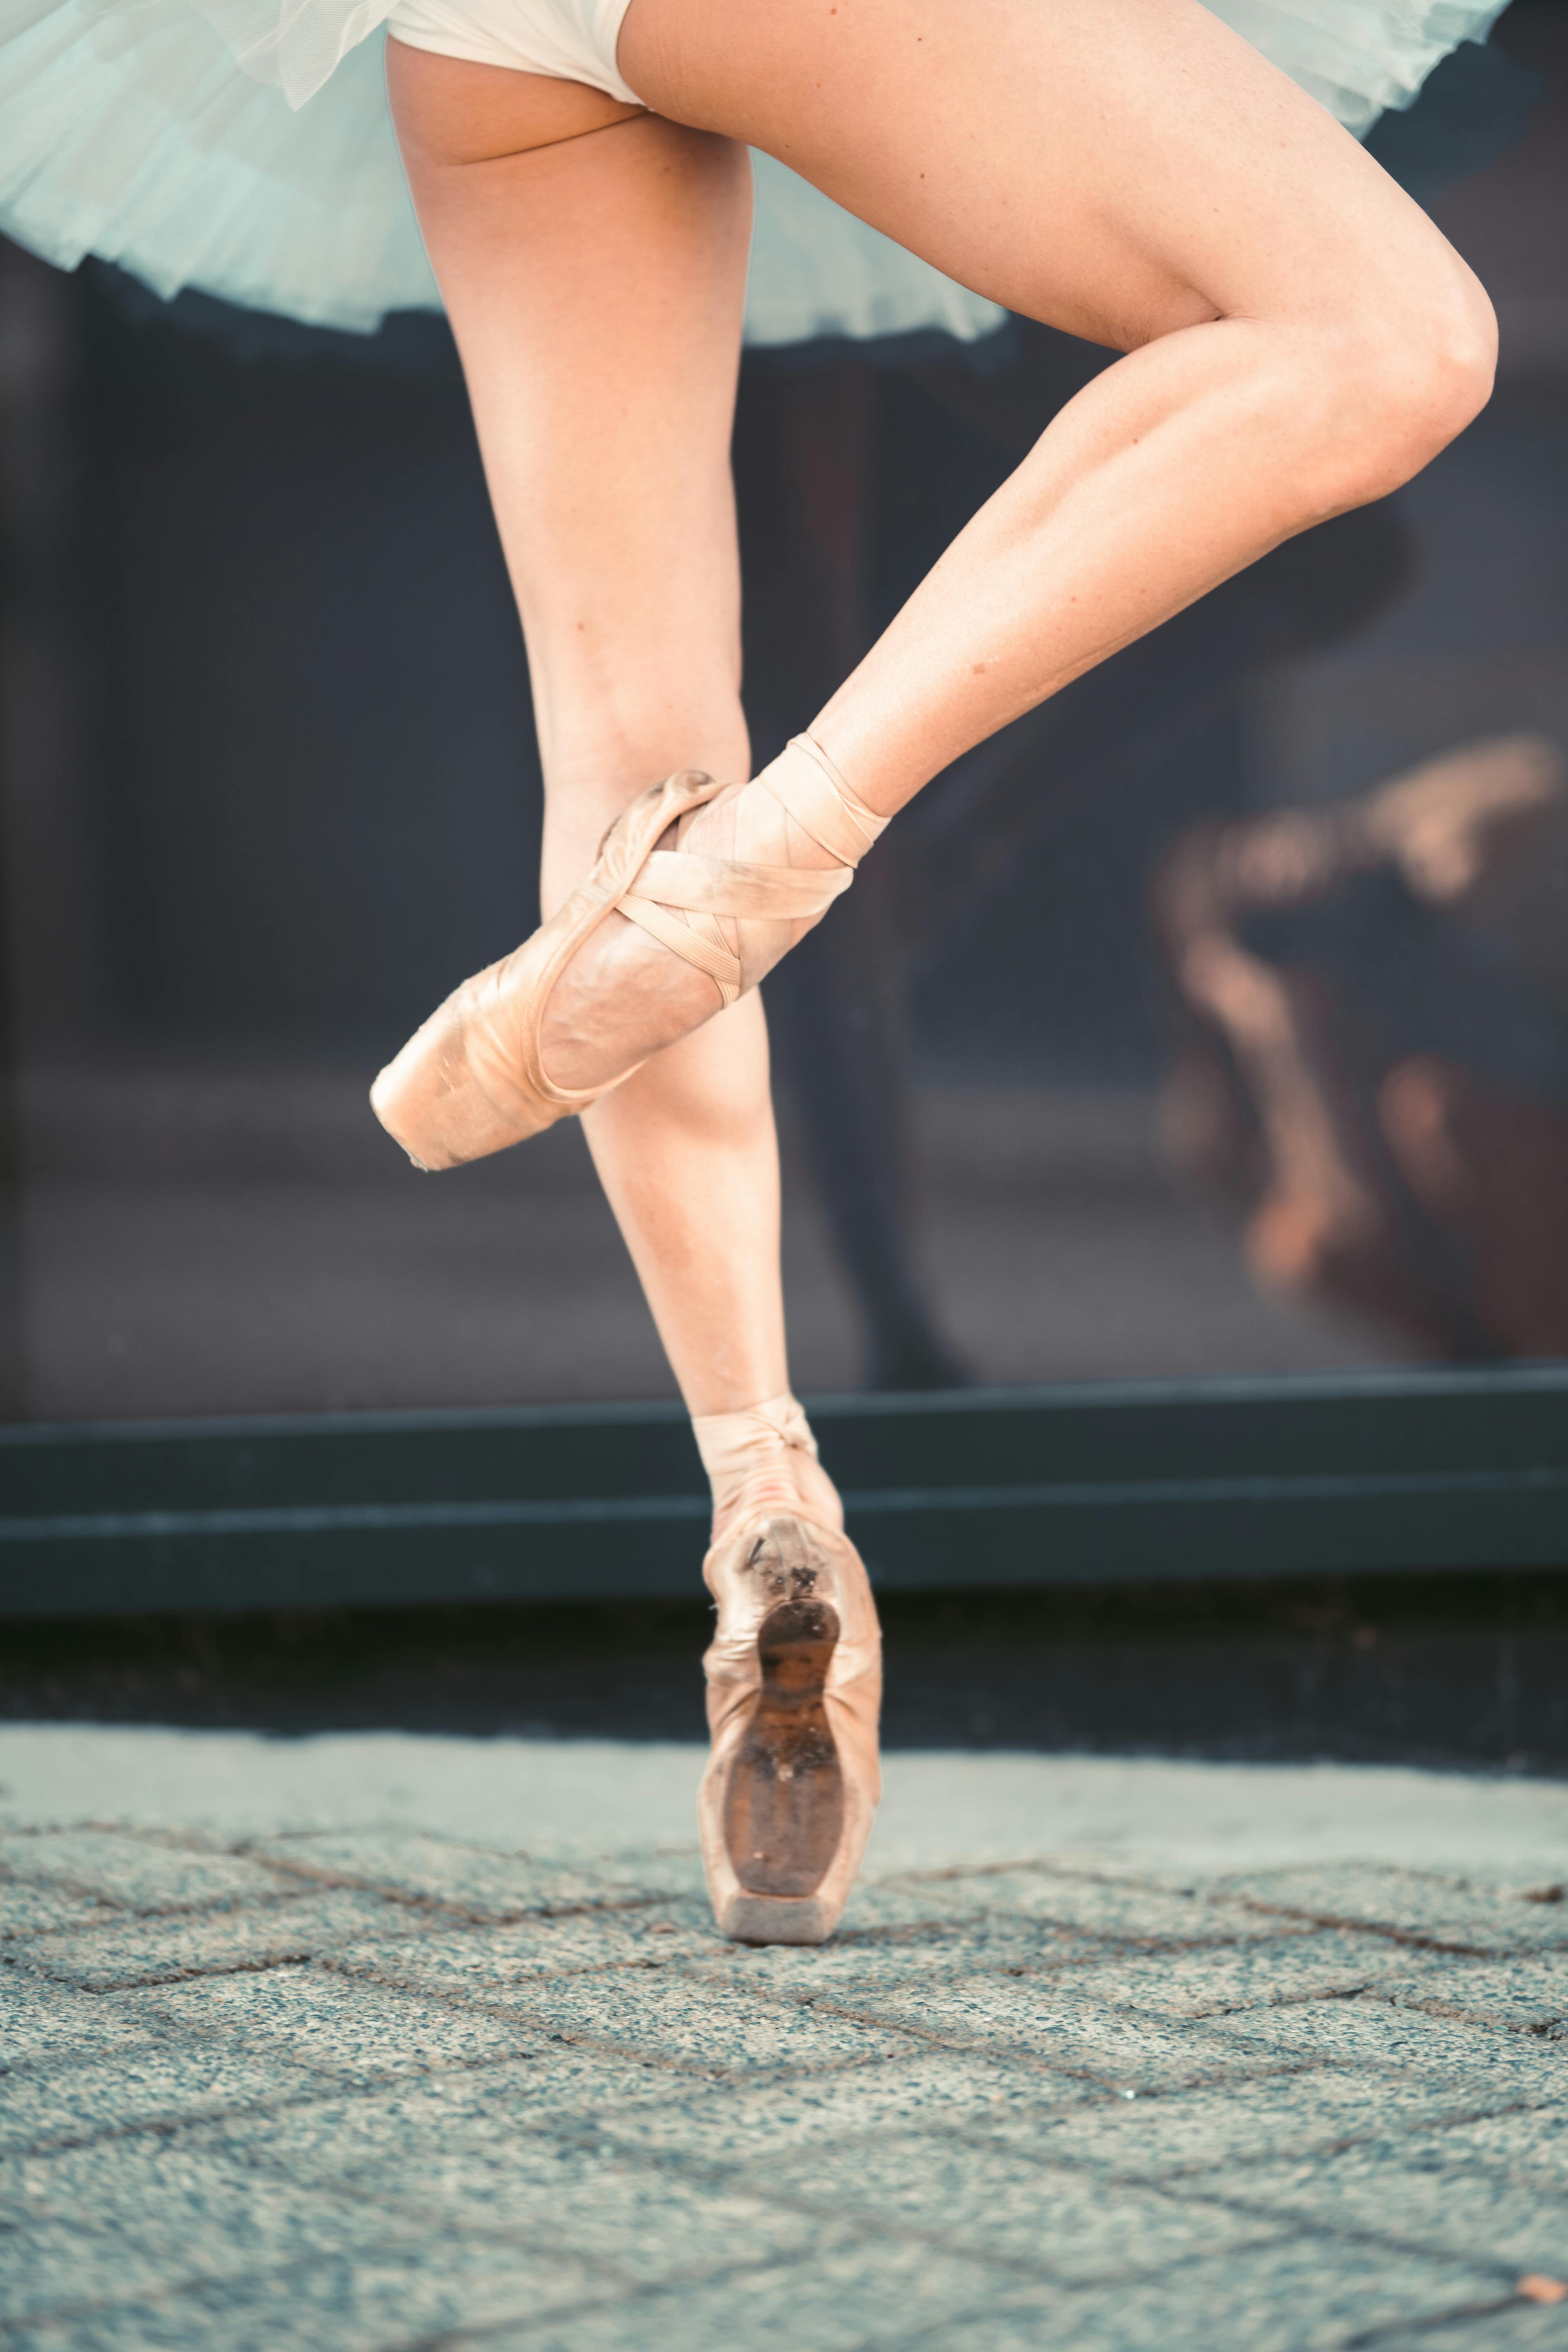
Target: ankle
(763,1459)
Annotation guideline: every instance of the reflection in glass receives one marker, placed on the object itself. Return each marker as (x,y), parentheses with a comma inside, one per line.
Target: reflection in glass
(1214,1019)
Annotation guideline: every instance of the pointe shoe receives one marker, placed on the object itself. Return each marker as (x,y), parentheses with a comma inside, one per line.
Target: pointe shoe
(472,1080)
(794,1687)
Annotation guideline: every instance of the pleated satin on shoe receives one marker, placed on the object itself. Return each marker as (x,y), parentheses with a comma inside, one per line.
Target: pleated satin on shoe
(794,1687)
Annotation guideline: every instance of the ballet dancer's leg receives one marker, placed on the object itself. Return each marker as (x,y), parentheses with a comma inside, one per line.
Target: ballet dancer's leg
(594,285)
(1300,339)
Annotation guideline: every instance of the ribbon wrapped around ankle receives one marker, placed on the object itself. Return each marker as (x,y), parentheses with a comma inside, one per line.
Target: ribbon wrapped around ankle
(765,1458)
(683,897)
(822,800)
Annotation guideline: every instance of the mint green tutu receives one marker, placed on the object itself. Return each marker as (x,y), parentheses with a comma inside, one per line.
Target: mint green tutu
(245,149)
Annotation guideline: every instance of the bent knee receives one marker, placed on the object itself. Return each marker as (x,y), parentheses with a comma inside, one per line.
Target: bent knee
(1412,372)
(1441,364)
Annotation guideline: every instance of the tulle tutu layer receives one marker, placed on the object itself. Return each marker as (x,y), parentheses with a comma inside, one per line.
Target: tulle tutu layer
(1357,58)
(131,134)
(132,129)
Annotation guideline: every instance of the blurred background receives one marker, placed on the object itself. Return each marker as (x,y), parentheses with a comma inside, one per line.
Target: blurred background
(1212,1021)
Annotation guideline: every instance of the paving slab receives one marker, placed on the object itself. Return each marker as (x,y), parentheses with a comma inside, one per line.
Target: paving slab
(932,2088)
(476,1882)
(151,2086)
(617,2207)
(415,2295)
(1225,1980)
(1489,2220)
(393,2045)
(28,1908)
(116,1952)
(556,2088)
(56,2024)
(1527,1994)
(1527,2144)
(1279,2297)
(1383,2033)
(686,2025)
(863,1960)
(1127,1910)
(1227,2128)
(974,2198)
(1417,1907)
(484,1960)
(1514,2328)
(141,1873)
(313,2018)
(1044,2022)
(867,2294)
(112,2221)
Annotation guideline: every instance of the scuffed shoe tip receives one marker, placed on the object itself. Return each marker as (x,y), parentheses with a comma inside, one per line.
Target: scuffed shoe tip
(406,1093)
(376,1107)
(777,1919)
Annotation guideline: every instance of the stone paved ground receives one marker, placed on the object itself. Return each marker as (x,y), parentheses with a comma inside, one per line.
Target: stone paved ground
(386,2087)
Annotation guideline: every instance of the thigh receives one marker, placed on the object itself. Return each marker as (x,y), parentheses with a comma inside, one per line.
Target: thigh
(595,286)
(1118,168)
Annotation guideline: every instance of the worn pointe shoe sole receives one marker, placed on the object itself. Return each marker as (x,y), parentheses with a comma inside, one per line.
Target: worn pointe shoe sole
(783,1809)
(794,1687)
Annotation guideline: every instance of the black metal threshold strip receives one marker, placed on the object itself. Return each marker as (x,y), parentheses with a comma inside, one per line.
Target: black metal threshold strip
(1129,1483)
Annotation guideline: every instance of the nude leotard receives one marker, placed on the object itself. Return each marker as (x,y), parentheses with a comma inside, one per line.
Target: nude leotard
(572,40)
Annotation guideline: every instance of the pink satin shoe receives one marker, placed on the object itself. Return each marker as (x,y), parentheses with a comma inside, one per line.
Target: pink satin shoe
(472,1080)
(794,1685)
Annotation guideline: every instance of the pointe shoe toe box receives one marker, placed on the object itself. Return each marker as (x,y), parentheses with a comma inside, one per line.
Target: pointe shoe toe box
(429,1100)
